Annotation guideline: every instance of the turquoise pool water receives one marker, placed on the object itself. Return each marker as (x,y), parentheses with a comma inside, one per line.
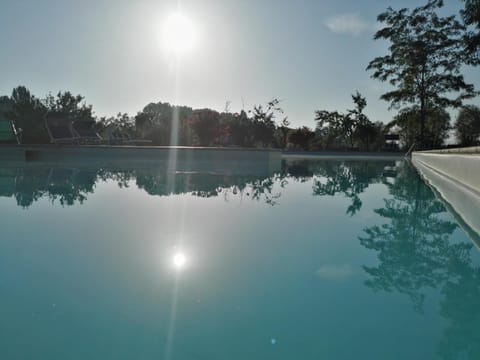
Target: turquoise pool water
(325,260)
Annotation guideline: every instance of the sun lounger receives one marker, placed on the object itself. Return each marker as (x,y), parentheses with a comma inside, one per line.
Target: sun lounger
(60,130)
(85,132)
(129,140)
(118,136)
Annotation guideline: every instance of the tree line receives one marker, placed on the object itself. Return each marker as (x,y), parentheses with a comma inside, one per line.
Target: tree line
(162,123)
(422,67)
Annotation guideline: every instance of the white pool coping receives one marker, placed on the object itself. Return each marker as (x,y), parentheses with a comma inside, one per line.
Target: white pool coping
(455,178)
(463,167)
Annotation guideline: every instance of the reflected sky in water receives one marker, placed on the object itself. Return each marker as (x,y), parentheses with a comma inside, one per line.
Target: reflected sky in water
(327,259)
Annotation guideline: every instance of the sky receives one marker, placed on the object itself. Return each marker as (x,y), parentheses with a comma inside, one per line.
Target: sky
(311,54)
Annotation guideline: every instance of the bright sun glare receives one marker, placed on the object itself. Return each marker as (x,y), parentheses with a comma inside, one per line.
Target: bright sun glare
(179,260)
(178,34)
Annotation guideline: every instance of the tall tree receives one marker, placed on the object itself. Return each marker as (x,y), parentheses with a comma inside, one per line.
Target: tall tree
(424,59)
(467,126)
(436,126)
(471,18)
(365,130)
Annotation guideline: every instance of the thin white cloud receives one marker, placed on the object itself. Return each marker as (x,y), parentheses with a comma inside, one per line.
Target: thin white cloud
(335,272)
(348,24)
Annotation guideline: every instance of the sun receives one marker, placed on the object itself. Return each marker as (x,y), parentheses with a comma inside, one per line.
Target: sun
(178,34)
(179,260)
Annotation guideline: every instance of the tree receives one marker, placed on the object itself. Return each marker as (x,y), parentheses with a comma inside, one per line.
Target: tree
(241,130)
(334,127)
(471,18)
(205,123)
(70,106)
(264,121)
(424,60)
(155,122)
(436,127)
(301,137)
(346,128)
(28,114)
(365,130)
(284,129)
(467,126)
(5,105)
(115,125)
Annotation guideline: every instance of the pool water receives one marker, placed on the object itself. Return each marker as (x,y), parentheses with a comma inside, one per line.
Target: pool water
(324,260)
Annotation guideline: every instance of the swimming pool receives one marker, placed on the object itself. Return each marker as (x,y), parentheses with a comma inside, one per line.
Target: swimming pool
(323,260)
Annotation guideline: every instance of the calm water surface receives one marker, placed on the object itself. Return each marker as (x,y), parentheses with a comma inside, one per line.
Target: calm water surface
(326,260)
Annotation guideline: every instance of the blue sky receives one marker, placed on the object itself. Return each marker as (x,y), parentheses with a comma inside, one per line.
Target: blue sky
(310,53)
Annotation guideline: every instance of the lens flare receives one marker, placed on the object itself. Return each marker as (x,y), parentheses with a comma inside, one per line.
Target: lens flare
(179,260)
(178,34)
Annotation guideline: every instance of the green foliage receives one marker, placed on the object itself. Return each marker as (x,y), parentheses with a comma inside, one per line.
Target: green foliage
(156,121)
(424,60)
(161,122)
(241,133)
(471,18)
(467,125)
(365,131)
(263,120)
(206,126)
(66,105)
(119,124)
(28,112)
(282,133)
(301,138)
(6,105)
(347,130)
(436,127)
(337,128)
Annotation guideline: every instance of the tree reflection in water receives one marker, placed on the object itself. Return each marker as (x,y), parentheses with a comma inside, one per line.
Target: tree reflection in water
(413,246)
(416,252)
(349,178)
(69,185)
